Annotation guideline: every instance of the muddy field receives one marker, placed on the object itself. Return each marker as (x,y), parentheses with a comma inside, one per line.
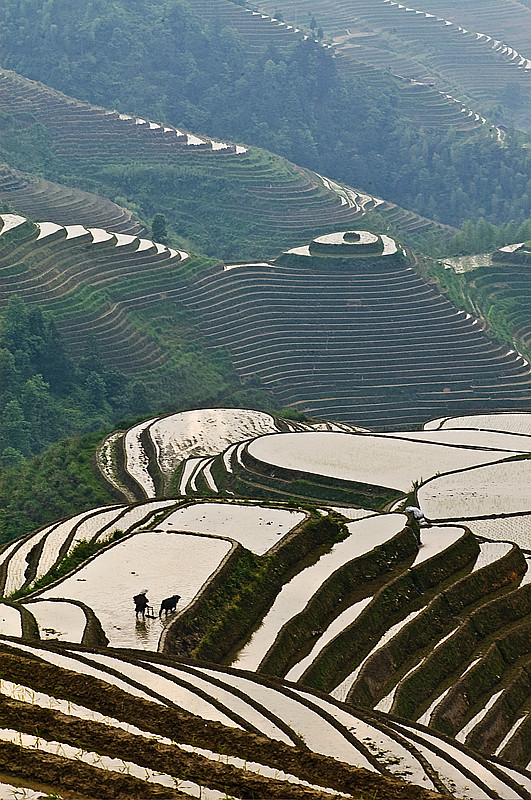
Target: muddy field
(76,780)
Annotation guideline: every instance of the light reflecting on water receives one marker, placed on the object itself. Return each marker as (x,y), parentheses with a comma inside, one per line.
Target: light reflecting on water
(142,633)
(147,633)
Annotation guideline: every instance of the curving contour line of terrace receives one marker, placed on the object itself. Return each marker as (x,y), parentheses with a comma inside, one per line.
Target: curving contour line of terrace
(344,328)
(279,200)
(89,278)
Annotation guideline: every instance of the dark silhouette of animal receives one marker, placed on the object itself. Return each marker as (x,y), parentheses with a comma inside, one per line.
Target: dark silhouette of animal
(169,604)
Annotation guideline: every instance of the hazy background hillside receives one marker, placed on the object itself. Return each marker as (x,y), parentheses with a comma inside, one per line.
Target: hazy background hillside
(197,65)
(182,63)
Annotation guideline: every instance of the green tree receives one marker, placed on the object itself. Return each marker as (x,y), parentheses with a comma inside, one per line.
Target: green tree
(95,391)
(41,412)
(9,377)
(15,432)
(159,230)
(11,457)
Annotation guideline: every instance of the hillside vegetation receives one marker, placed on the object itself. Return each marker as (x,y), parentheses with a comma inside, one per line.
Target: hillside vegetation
(499,291)
(186,65)
(230,200)
(46,394)
(477,53)
(355,336)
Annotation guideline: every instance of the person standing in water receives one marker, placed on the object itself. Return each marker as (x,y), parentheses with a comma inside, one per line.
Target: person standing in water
(141,603)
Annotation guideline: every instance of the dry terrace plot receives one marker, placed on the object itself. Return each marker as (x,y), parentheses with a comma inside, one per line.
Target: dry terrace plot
(278,201)
(89,277)
(470,50)
(344,332)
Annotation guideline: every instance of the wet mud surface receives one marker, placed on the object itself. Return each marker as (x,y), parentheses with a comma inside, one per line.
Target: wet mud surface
(178,726)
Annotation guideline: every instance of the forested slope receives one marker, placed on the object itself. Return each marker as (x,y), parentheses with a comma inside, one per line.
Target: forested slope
(478,52)
(186,65)
(231,200)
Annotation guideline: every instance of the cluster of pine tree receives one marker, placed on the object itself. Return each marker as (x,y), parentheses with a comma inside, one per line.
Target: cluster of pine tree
(484,237)
(44,395)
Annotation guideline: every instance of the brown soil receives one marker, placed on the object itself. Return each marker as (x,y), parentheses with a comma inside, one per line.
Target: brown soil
(92,783)
(178,726)
(39,786)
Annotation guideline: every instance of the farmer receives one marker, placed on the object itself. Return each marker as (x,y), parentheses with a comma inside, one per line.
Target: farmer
(141,603)
(417,514)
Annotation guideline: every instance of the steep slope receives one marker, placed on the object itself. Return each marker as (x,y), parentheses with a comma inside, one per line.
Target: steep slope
(500,290)
(42,200)
(350,298)
(87,278)
(362,56)
(429,623)
(144,459)
(361,339)
(162,748)
(104,735)
(228,198)
(481,52)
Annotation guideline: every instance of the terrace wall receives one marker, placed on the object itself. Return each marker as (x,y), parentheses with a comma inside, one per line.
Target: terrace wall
(240,594)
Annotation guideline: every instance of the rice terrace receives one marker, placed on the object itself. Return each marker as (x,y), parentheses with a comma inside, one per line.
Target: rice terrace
(265,395)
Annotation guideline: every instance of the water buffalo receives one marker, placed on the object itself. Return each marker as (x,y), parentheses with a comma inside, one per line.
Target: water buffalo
(169,605)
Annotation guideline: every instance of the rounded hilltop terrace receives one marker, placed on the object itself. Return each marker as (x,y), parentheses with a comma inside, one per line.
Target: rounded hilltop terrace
(349,243)
(345,328)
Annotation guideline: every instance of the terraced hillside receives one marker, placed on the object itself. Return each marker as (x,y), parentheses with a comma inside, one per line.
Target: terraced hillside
(386,611)
(321,310)
(150,733)
(258,31)
(89,278)
(363,55)
(142,462)
(359,339)
(269,202)
(43,200)
(472,51)
(132,739)
(500,290)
